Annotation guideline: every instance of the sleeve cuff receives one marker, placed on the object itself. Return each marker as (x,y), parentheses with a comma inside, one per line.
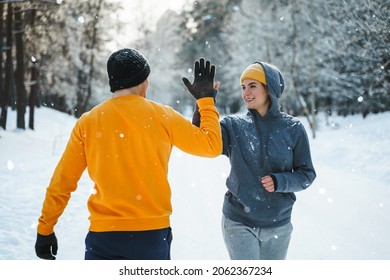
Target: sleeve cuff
(275,181)
(205,101)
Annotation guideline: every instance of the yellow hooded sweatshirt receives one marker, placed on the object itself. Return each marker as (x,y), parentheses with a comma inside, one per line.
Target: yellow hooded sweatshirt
(125,144)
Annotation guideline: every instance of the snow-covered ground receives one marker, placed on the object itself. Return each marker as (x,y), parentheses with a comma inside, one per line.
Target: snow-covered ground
(344,215)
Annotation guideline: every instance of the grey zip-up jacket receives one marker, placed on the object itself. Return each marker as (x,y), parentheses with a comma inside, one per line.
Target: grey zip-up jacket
(276,145)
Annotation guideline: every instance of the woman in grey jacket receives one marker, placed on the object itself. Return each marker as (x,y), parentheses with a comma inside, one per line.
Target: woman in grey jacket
(270,159)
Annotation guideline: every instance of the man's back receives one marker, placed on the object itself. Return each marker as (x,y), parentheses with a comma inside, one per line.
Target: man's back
(127,142)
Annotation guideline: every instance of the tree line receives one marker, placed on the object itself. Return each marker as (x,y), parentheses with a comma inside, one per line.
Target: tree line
(49,55)
(334,54)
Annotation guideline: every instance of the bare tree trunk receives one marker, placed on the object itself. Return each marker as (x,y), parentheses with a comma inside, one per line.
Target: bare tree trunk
(313,77)
(34,87)
(1,52)
(294,75)
(9,72)
(92,58)
(21,94)
(33,93)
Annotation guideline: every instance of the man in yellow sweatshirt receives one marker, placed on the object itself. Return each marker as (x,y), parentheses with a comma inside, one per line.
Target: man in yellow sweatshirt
(125,144)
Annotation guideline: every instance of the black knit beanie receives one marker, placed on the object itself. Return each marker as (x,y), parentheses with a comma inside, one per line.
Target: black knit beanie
(127,68)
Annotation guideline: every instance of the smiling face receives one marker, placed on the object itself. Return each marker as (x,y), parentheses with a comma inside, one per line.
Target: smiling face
(255,96)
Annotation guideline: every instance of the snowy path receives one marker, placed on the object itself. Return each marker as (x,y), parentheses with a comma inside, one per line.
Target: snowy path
(343,215)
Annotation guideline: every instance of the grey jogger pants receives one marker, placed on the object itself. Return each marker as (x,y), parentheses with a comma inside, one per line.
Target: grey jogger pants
(248,243)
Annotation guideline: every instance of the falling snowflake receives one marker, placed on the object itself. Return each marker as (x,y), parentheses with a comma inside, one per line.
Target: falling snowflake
(10,165)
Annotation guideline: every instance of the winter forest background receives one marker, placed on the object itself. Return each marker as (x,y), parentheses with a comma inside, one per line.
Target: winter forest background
(335,57)
(334,54)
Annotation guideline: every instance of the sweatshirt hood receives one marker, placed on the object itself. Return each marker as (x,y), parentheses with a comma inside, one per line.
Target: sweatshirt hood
(274,78)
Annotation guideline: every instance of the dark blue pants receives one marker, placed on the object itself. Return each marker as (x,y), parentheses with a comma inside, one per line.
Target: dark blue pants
(129,245)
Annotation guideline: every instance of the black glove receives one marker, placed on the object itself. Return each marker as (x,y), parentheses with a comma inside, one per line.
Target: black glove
(46,246)
(203,85)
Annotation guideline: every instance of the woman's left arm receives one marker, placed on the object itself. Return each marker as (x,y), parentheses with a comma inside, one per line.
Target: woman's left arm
(303,173)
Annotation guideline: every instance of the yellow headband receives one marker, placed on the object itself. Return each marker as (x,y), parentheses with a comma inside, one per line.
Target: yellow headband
(255,72)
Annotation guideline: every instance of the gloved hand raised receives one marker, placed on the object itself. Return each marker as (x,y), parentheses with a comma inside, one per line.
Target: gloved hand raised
(46,246)
(196,115)
(203,85)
